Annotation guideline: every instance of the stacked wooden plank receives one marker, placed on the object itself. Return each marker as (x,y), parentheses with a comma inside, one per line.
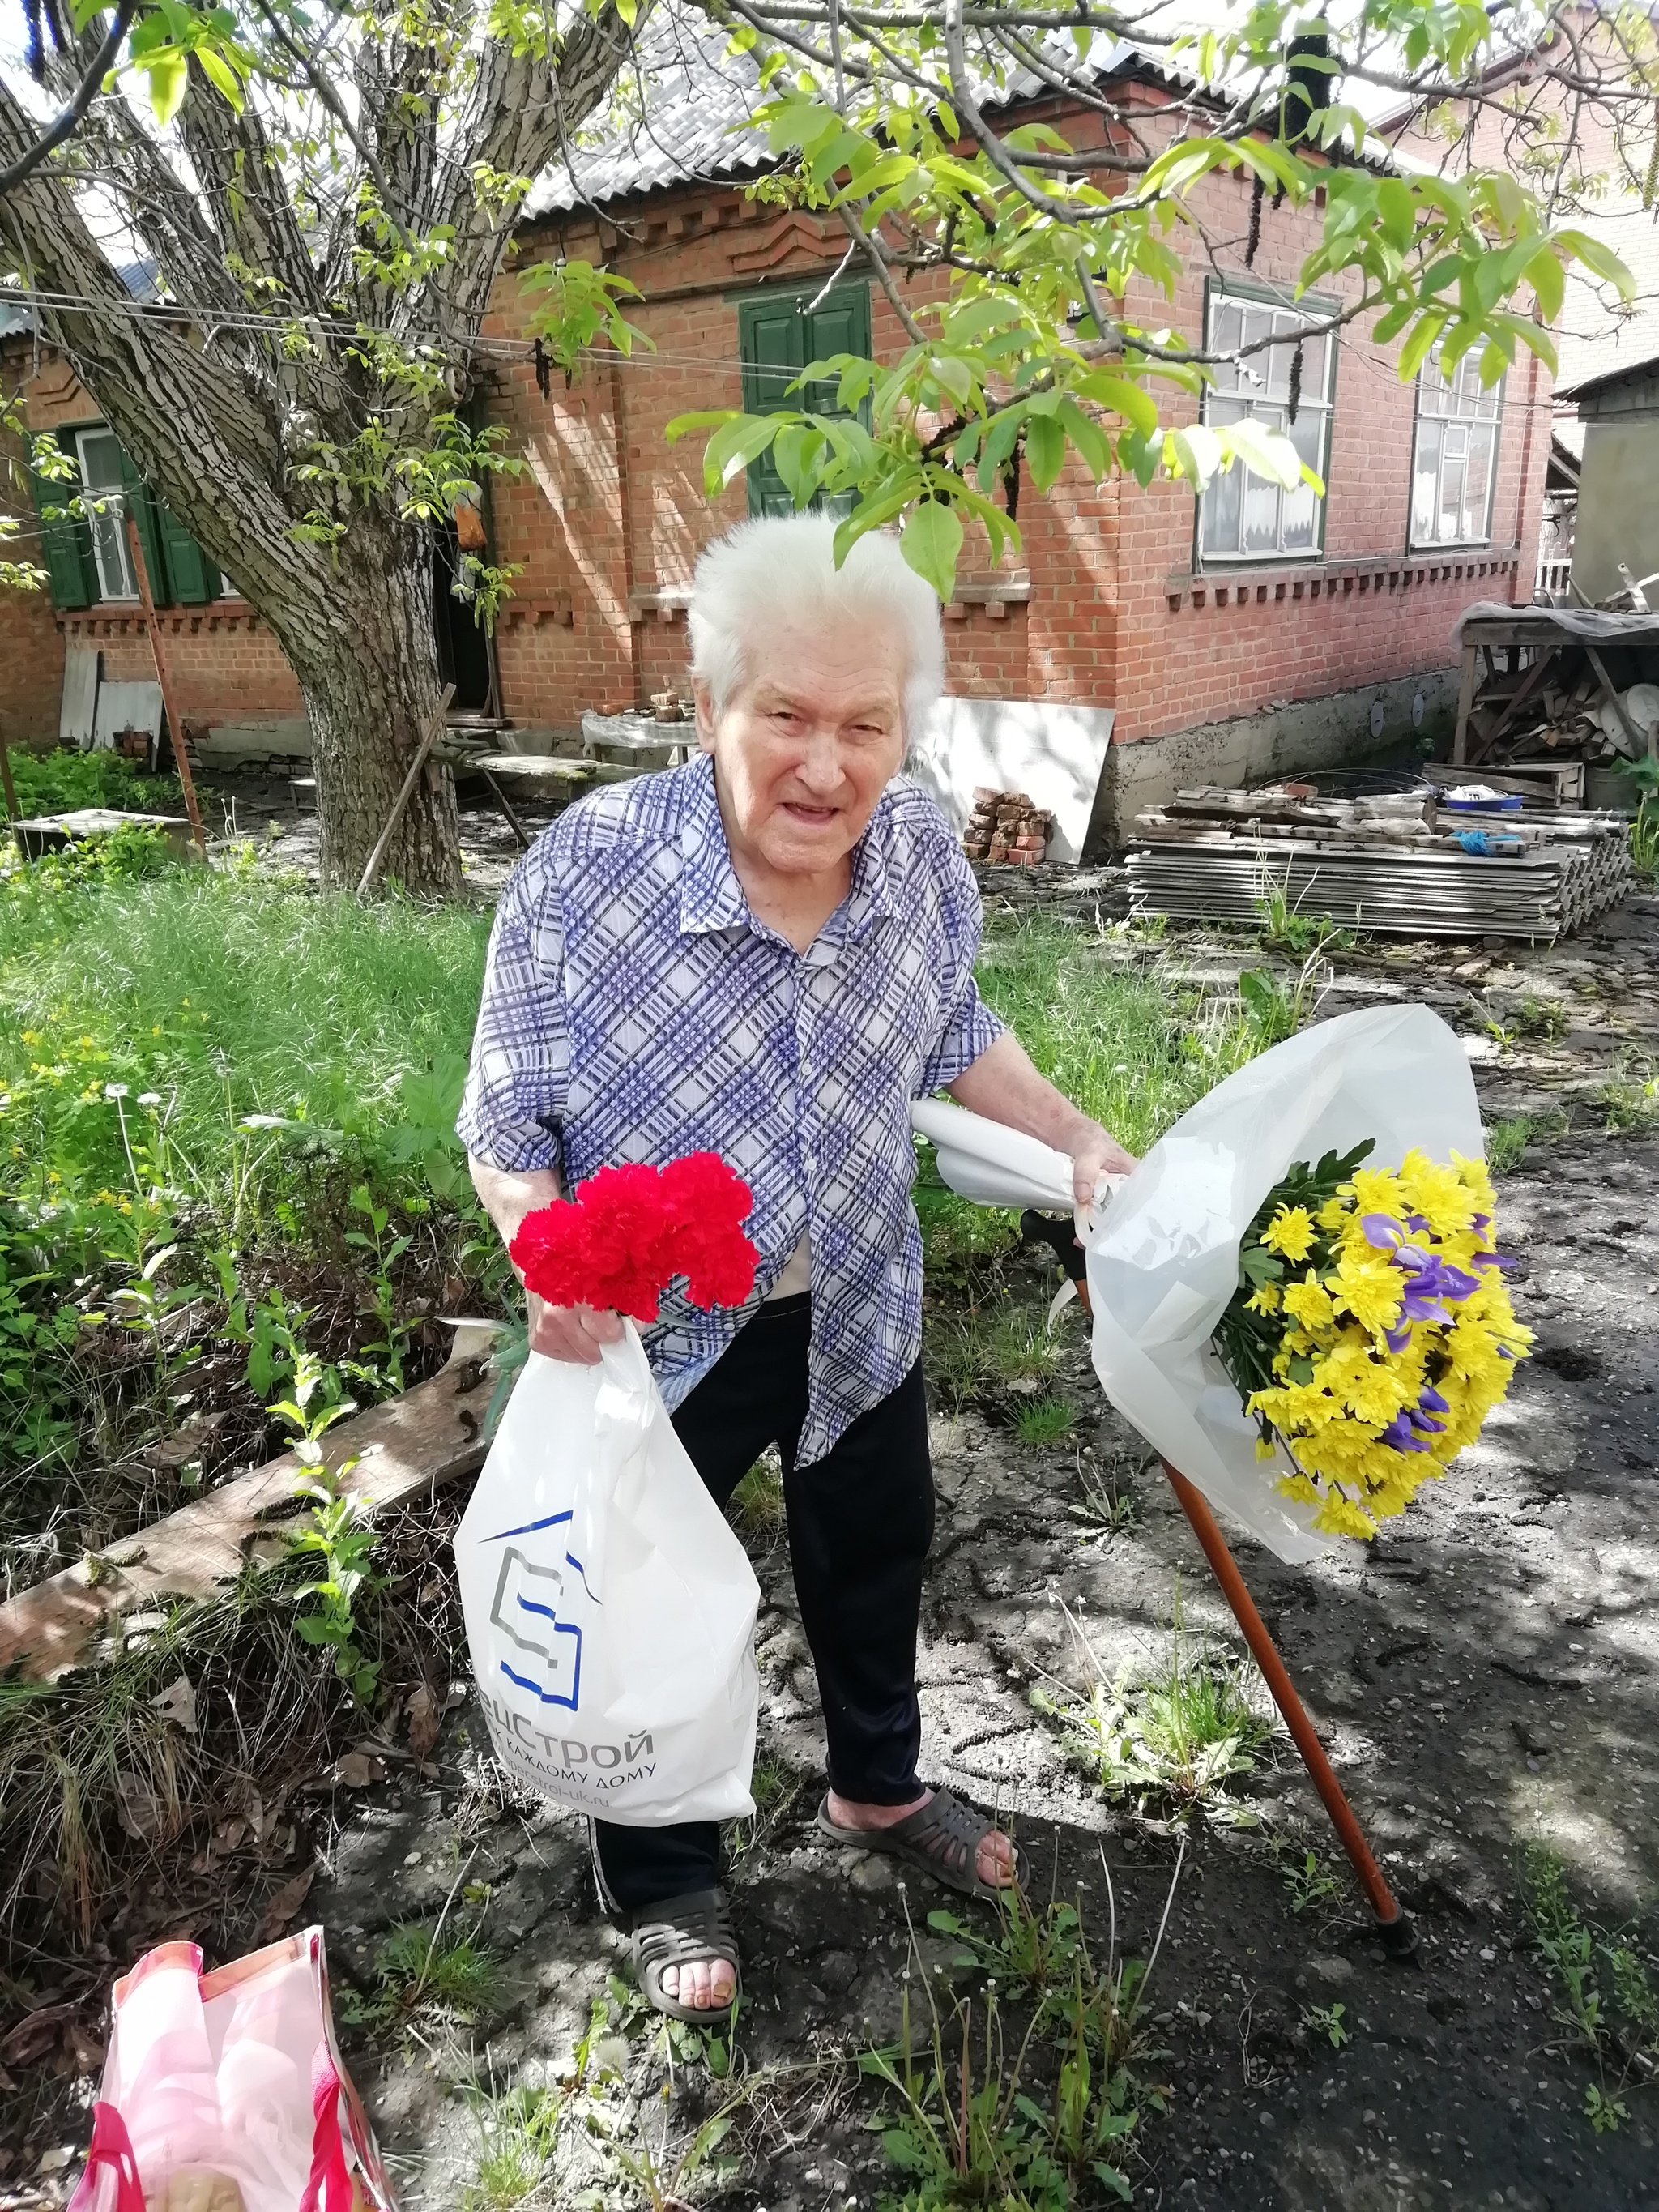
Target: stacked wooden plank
(1398,863)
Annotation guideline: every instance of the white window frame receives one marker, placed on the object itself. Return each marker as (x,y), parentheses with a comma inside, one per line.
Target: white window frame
(1464,410)
(1261,383)
(106,515)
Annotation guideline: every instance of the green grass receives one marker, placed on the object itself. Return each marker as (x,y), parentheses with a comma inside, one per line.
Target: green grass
(1042,1421)
(226,997)
(756,1506)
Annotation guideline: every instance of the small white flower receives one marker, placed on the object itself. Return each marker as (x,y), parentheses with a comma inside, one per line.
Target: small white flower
(150,1097)
(115,1091)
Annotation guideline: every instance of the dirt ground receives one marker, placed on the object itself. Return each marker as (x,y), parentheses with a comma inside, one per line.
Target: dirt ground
(1486,1679)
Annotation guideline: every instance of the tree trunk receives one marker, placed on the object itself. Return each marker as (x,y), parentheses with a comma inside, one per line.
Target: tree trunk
(368,671)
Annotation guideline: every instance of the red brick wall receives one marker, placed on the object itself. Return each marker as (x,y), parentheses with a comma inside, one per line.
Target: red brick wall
(1232,644)
(607,518)
(31,650)
(223,663)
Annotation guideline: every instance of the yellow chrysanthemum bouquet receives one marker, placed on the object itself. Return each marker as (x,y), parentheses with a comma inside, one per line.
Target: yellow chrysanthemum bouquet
(1371,1332)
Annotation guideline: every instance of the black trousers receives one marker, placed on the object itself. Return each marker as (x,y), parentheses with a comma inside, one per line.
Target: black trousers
(860,1519)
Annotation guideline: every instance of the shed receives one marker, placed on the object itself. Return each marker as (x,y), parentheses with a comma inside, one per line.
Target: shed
(1618,511)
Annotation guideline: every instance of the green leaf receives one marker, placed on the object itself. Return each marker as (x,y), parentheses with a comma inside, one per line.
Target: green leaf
(706,418)
(169,78)
(1091,440)
(931,543)
(1601,260)
(1398,211)
(219,73)
(1198,452)
(1134,403)
(730,450)
(1419,346)
(1045,449)
(1268,454)
(1548,281)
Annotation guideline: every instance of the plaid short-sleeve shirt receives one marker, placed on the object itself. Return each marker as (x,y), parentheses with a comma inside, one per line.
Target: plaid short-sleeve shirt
(634,1009)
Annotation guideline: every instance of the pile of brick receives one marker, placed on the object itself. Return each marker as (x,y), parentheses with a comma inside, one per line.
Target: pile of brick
(1005,828)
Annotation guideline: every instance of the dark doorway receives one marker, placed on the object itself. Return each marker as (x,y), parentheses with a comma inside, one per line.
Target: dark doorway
(464,654)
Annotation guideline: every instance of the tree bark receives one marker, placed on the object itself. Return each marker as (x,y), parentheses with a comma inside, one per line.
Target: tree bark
(367,668)
(222,425)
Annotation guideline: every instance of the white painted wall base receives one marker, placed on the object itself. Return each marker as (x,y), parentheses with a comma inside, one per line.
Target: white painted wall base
(1347,729)
(1053,753)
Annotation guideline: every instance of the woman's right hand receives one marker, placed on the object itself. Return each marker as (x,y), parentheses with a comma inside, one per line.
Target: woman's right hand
(575,1332)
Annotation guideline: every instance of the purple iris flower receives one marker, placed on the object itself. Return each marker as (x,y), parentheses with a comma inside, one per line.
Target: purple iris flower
(1501,1261)
(1432,1400)
(1401,1436)
(1385,1234)
(1481,1221)
(1398,1339)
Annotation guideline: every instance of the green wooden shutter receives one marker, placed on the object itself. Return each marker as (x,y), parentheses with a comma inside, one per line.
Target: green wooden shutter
(144,510)
(191,576)
(65,544)
(777,340)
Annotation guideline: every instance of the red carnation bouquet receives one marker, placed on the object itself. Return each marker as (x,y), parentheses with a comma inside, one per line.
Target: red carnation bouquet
(629,1231)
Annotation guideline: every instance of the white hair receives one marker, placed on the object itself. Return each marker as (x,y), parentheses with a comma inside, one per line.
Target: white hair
(780,570)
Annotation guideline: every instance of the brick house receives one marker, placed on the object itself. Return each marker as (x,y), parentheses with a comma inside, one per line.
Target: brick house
(1248,633)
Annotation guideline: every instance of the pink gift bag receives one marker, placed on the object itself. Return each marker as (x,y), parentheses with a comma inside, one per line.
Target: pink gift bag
(227,2093)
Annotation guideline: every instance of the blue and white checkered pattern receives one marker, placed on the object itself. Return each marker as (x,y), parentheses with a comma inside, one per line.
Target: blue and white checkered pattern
(634,1009)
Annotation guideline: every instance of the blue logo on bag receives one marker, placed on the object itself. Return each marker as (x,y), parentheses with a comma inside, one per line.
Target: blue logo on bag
(526,1610)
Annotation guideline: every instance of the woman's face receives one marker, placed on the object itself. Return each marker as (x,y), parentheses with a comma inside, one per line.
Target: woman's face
(805,744)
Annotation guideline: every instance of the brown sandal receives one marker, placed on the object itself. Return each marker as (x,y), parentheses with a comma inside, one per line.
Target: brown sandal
(683,1931)
(942,1837)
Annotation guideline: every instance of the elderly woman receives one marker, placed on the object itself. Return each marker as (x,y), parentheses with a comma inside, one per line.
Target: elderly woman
(767,954)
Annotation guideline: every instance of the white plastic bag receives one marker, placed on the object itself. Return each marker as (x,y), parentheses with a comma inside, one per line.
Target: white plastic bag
(1163,1264)
(1163,1253)
(610,1609)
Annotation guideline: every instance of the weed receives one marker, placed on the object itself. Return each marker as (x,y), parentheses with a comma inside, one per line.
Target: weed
(959,1365)
(383,1379)
(1631,1101)
(1644,840)
(756,1503)
(1179,1735)
(1030,2118)
(334,1533)
(1608,2007)
(1284,927)
(1507,1142)
(1108,1506)
(1327,2021)
(517,2131)
(774,1787)
(1020,1350)
(1041,1421)
(1539,1017)
(420,1970)
(1309,1886)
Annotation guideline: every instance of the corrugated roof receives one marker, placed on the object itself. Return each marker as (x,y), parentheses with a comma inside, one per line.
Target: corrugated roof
(692,103)
(691,100)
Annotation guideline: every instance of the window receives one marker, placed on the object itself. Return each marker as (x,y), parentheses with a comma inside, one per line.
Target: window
(778,334)
(106,513)
(1242,517)
(86,557)
(1455,454)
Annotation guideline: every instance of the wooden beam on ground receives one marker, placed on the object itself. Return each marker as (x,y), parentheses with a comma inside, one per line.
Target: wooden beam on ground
(429,1436)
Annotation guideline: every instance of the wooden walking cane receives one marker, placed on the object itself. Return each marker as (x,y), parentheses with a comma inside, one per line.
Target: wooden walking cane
(1398,1935)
